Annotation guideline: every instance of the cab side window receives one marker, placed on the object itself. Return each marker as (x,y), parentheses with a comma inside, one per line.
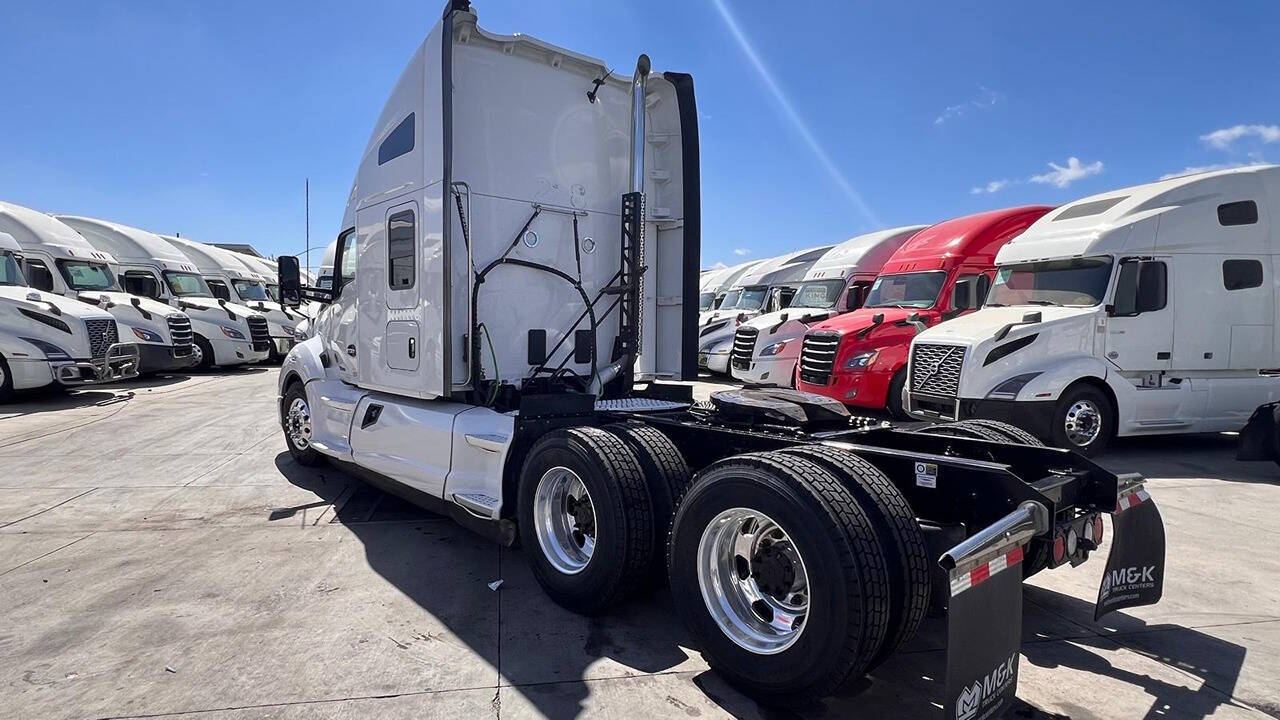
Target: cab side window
(400,245)
(138,282)
(38,275)
(1241,274)
(219,289)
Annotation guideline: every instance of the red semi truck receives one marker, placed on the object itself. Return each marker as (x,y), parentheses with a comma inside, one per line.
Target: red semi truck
(860,358)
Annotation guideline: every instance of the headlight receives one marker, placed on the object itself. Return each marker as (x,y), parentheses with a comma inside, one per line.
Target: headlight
(147,335)
(1009,389)
(231,333)
(289,329)
(51,351)
(774,349)
(861,361)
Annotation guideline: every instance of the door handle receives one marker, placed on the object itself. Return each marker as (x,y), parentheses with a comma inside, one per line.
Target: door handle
(412,348)
(351,350)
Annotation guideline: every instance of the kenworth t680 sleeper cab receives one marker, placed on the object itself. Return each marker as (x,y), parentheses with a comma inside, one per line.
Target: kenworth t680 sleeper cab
(522,282)
(46,338)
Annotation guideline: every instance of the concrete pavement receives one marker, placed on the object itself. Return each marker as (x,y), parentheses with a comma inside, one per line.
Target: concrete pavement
(161,556)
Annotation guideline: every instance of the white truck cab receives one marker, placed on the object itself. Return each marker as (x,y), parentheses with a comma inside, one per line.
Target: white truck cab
(1139,311)
(766,287)
(47,339)
(229,279)
(224,333)
(765,348)
(713,284)
(56,259)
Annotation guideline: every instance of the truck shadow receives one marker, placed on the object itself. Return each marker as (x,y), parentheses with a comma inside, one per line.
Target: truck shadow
(554,660)
(1210,456)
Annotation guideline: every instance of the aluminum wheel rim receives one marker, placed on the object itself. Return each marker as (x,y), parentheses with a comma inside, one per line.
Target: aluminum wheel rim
(753,581)
(297,423)
(565,520)
(1082,423)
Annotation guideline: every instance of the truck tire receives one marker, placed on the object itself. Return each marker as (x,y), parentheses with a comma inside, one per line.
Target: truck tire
(963,430)
(206,355)
(895,401)
(295,420)
(6,381)
(1083,420)
(755,538)
(905,553)
(667,476)
(587,556)
(1012,433)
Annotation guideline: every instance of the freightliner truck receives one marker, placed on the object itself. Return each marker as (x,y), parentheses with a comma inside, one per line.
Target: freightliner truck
(497,354)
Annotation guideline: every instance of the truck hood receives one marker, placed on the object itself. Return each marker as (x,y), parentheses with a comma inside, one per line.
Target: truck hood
(274,312)
(982,326)
(786,324)
(25,297)
(204,304)
(861,318)
(121,299)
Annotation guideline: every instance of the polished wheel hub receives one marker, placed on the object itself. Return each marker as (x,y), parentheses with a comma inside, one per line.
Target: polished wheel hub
(565,520)
(297,423)
(1083,422)
(753,581)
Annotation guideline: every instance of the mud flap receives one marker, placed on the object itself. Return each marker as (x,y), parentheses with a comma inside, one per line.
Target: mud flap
(1259,440)
(1135,566)
(984,634)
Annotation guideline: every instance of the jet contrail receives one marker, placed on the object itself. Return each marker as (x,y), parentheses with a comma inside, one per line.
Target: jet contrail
(793,115)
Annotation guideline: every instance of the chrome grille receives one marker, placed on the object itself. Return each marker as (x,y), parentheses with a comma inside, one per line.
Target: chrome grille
(102,335)
(935,369)
(818,356)
(259,333)
(744,346)
(180,332)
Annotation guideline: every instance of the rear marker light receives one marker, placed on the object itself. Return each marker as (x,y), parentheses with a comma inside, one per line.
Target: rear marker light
(1097,530)
(1059,549)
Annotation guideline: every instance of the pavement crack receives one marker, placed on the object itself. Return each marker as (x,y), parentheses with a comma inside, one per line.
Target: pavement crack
(41,557)
(51,507)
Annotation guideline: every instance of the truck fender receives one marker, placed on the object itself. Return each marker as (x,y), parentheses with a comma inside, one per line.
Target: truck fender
(302,363)
(1055,378)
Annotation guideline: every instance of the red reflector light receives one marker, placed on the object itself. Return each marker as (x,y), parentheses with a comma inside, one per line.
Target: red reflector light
(1097,530)
(1059,549)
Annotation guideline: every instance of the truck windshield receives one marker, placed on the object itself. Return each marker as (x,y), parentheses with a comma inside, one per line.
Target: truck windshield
(186,284)
(251,290)
(10,273)
(81,275)
(274,291)
(752,298)
(913,290)
(705,300)
(730,299)
(1074,282)
(818,294)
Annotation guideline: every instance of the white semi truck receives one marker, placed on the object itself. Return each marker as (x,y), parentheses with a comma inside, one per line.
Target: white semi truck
(1141,311)
(56,259)
(230,279)
(48,339)
(490,356)
(225,334)
(765,288)
(713,285)
(765,348)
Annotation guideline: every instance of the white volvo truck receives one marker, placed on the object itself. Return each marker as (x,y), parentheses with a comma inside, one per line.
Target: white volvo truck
(489,355)
(230,279)
(57,259)
(765,288)
(225,334)
(48,339)
(765,348)
(1140,311)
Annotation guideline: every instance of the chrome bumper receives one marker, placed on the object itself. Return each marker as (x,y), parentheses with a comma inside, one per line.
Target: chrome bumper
(119,363)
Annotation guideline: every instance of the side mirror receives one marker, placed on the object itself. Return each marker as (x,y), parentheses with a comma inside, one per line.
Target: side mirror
(290,280)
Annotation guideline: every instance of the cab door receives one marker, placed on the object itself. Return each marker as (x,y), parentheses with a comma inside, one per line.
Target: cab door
(337,321)
(1139,322)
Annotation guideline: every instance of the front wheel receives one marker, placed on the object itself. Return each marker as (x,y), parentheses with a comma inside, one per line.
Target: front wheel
(296,420)
(779,575)
(205,354)
(1083,420)
(896,402)
(6,382)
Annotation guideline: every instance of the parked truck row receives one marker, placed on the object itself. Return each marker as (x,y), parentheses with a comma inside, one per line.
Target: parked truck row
(494,341)
(89,301)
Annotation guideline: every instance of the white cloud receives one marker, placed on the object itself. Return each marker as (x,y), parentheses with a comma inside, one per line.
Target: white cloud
(987,98)
(718,266)
(1223,138)
(741,251)
(993,186)
(1201,168)
(1062,176)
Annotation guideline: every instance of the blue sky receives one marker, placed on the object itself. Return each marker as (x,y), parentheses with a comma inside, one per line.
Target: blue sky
(818,120)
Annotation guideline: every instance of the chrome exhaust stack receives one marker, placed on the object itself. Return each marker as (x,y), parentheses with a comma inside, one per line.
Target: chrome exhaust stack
(637,122)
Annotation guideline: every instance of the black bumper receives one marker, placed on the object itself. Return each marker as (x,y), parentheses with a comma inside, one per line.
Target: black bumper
(1036,417)
(162,358)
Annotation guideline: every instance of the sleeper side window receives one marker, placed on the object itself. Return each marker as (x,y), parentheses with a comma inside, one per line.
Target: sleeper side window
(1244,212)
(1241,274)
(398,142)
(400,245)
